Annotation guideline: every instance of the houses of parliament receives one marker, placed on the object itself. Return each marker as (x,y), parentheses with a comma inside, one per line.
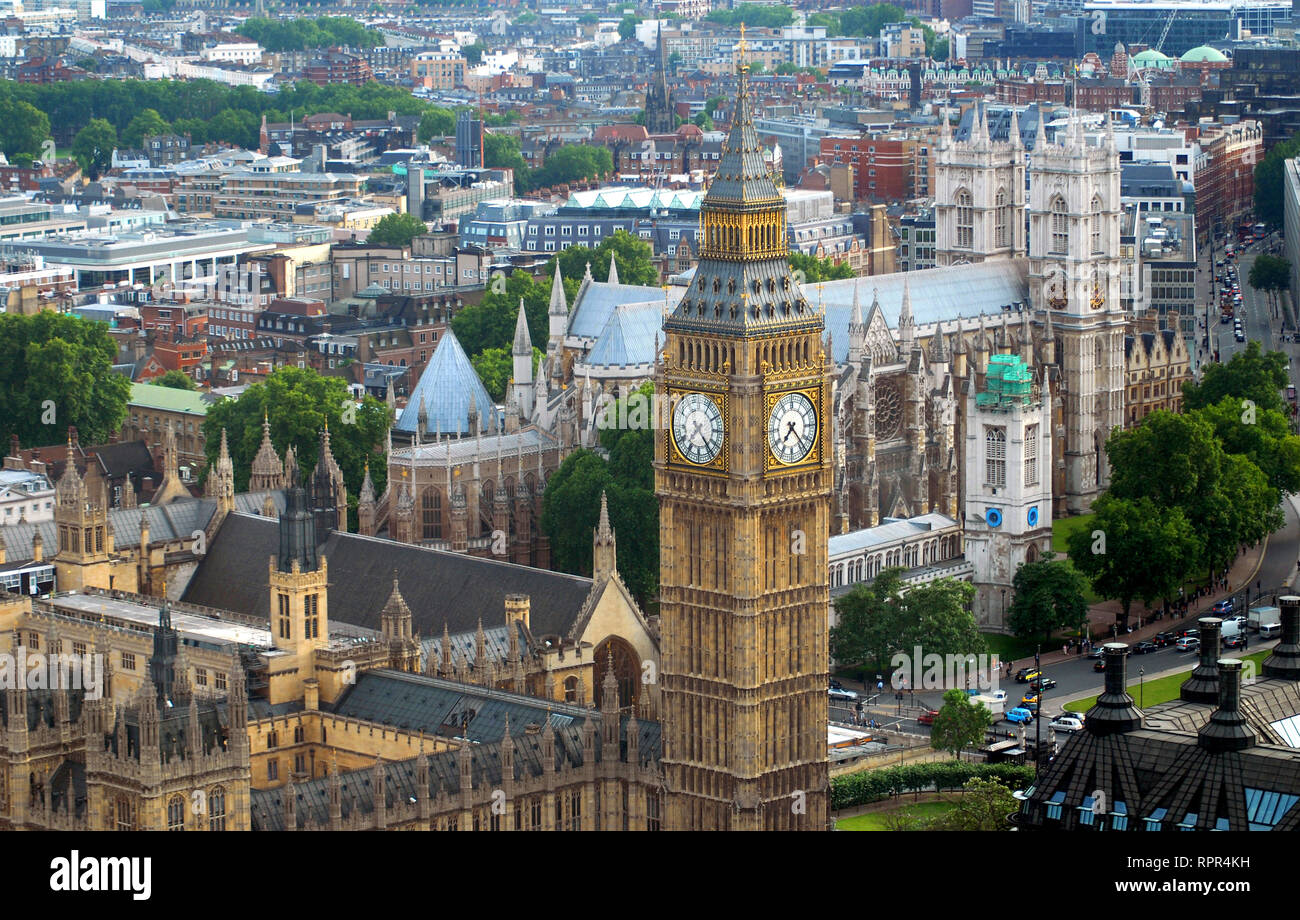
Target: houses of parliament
(364,683)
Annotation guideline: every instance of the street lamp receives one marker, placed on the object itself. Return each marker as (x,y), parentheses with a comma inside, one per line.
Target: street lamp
(1142,688)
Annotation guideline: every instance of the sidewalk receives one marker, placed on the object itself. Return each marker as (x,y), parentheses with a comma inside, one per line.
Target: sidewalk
(1102,617)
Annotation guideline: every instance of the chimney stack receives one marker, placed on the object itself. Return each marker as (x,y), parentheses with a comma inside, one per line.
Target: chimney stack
(1284,663)
(1203,684)
(1114,711)
(1227,729)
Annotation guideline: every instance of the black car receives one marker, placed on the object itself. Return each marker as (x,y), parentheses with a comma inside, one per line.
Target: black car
(1146,645)
(1099,664)
(1237,641)
(1165,639)
(836,685)
(1186,631)
(1042,683)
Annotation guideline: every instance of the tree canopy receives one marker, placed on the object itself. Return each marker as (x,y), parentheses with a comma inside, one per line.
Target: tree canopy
(878,619)
(1270,183)
(815,269)
(571,163)
(23,128)
(571,511)
(94,145)
(304,33)
(496,367)
(299,403)
(754,16)
(627,26)
(1049,595)
(56,370)
(631,253)
(146,124)
(960,723)
(1250,374)
(396,230)
(176,380)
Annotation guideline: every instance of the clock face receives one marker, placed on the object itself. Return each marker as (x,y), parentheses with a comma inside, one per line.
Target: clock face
(792,428)
(697,428)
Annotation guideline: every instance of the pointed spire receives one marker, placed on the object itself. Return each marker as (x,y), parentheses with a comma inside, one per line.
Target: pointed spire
(604,557)
(586,276)
(1014,134)
(523,341)
(367,496)
(613,268)
(1040,129)
(559,306)
(906,323)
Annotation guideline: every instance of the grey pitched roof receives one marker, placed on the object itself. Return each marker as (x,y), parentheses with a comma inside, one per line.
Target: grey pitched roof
(421,703)
(628,336)
(174,521)
(592,311)
(447,386)
(440,587)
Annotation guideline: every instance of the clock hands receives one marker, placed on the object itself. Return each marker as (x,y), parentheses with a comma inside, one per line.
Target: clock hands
(789,431)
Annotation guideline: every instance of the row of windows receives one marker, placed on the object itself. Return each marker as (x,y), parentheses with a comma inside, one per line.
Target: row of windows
(995,456)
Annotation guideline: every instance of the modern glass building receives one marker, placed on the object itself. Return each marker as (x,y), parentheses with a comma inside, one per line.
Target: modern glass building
(1190,22)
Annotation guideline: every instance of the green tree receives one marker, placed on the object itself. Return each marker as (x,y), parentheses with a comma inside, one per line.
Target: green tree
(571,511)
(870,627)
(754,16)
(867,21)
(1271,274)
(299,403)
(23,128)
(435,122)
(815,269)
(94,145)
(1250,374)
(501,151)
(146,124)
(473,54)
(712,104)
(1225,497)
(1049,595)
(571,163)
(983,805)
(396,230)
(627,27)
(1134,549)
(56,370)
(937,617)
(940,50)
(1262,436)
(704,121)
(491,322)
(631,253)
(177,380)
(496,367)
(960,723)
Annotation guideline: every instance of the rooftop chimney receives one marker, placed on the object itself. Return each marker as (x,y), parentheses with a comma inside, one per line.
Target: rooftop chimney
(1203,685)
(1114,711)
(1227,729)
(1284,663)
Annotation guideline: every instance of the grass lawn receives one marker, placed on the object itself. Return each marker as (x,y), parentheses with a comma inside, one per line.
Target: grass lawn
(1062,529)
(875,821)
(1151,692)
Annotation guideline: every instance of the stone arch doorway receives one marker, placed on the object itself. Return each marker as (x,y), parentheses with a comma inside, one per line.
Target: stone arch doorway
(627,670)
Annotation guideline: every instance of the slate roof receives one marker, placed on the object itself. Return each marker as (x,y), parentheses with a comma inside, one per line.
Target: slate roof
(428,704)
(592,311)
(447,386)
(173,521)
(887,532)
(628,336)
(440,587)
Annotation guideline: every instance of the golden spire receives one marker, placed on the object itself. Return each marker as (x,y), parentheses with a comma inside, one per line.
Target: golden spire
(743,48)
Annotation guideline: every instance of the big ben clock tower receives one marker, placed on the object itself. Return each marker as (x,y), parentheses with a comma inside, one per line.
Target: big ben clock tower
(743,476)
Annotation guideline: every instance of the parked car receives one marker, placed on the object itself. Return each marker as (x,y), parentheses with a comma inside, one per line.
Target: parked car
(1067,722)
(1042,682)
(1164,639)
(1020,715)
(927,717)
(1188,644)
(1146,645)
(839,693)
(1024,675)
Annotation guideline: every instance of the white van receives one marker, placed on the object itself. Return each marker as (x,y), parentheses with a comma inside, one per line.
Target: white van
(1270,631)
(1232,626)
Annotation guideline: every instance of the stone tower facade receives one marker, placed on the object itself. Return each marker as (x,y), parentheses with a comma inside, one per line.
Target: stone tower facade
(658,101)
(299,599)
(744,476)
(1008,486)
(979,196)
(1075,272)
